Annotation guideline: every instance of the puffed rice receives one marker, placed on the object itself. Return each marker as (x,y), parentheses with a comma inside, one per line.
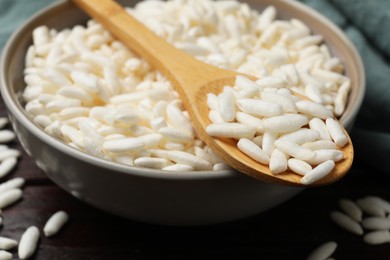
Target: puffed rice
(323,251)
(55,223)
(7,243)
(85,74)
(28,242)
(4,255)
(346,222)
(351,209)
(9,197)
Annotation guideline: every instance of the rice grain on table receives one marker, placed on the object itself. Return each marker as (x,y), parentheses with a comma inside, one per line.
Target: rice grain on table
(376,223)
(7,243)
(55,223)
(323,251)
(7,153)
(28,242)
(371,207)
(7,165)
(4,255)
(6,136)
(346,222)
(377,237)
(380,202)
(3,122)
(14,183)
(9,197)
(351,209)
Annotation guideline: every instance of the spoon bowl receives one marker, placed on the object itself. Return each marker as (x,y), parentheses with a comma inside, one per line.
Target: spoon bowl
(193,80)
(227,149)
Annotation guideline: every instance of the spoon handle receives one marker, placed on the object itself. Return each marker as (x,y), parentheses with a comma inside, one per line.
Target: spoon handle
(176,65)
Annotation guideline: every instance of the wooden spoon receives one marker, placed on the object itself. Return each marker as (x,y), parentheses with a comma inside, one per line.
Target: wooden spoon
(193,79)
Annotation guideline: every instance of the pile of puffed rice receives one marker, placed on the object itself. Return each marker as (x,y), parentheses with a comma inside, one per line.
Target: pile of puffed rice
(90,91)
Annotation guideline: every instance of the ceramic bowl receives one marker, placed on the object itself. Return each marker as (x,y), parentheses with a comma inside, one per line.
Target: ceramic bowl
(155,196)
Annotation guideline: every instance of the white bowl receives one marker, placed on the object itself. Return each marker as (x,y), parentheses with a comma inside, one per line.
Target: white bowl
(155,196)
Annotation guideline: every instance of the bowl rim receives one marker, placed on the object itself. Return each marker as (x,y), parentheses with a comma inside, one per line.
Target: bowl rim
(23,118)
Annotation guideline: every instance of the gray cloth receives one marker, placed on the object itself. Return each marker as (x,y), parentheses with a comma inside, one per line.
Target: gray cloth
(14,12)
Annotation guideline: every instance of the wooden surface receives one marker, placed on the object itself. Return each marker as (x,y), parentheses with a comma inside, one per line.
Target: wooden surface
(290,231)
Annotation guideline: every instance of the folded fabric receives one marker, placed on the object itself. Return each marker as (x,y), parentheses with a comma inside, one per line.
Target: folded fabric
(13,13)
(371,17)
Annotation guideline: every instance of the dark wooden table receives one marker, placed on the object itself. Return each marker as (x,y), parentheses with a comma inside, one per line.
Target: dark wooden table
(290,231)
